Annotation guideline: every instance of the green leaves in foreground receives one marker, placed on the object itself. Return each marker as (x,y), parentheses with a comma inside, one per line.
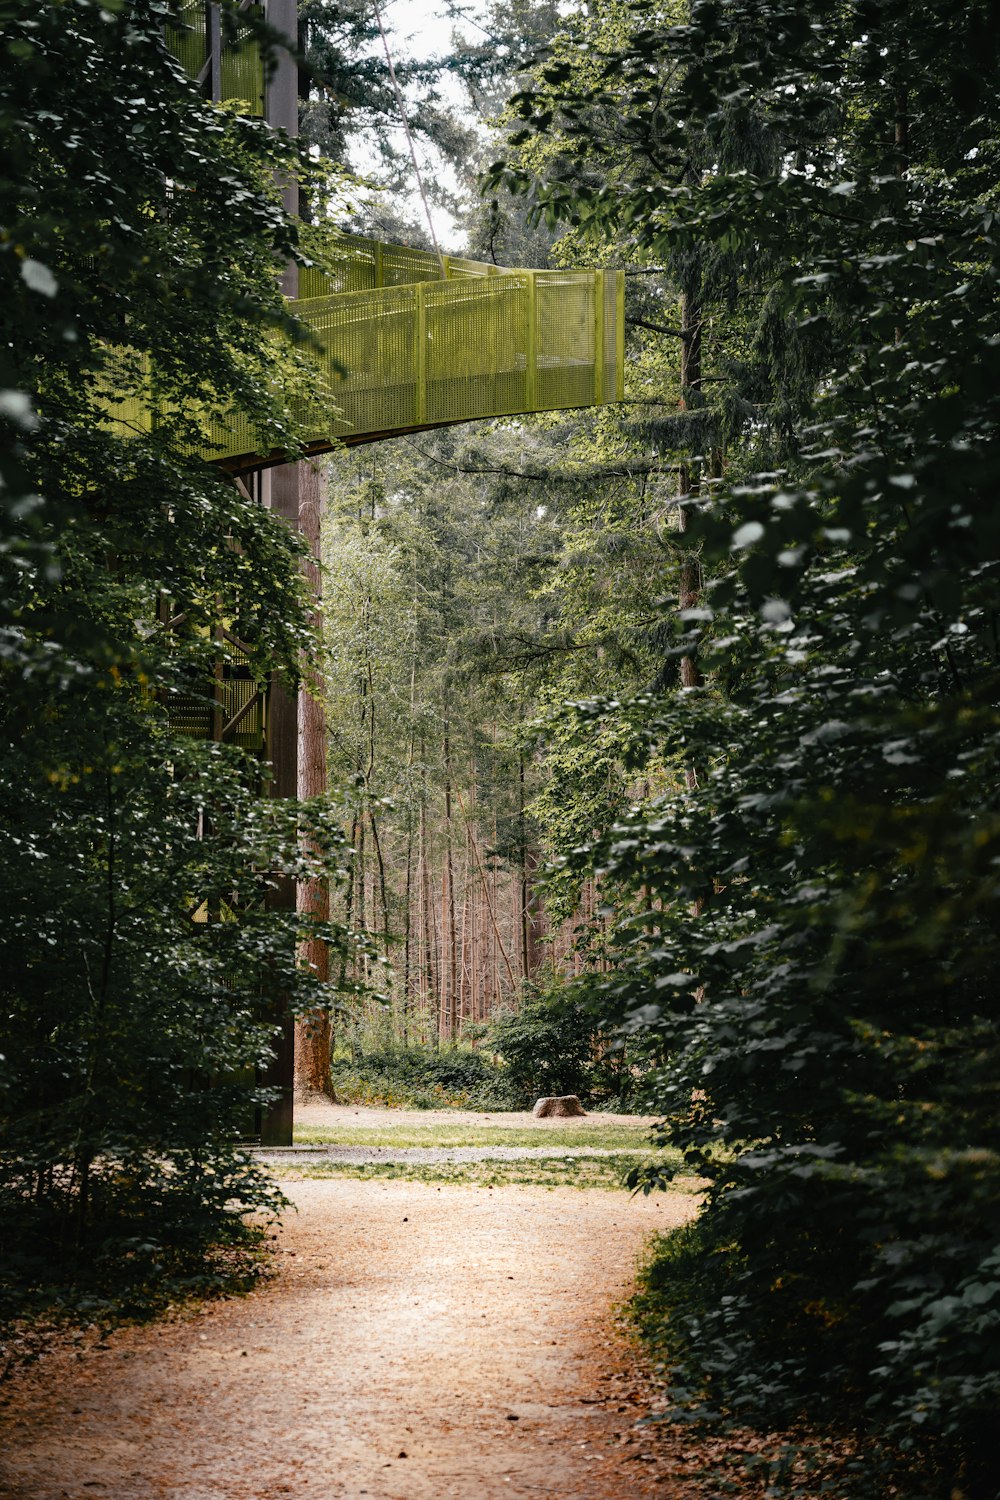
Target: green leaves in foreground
(805,917)
(141,237)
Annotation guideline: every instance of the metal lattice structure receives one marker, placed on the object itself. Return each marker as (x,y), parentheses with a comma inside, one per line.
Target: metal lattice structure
(400,348)
(402,340)
(420,350)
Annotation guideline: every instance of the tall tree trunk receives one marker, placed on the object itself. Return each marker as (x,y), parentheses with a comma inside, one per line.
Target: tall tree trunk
(529,914)
(463,947)
(408,965)
(382,887)
(432,996)
(491,904)
(691,325)
(449,912)
(312,899)
(407,936)
(533,914)
(496,942)
(437,956)
(361,883)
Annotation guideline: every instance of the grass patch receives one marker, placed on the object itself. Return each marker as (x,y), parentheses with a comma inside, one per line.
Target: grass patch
(607,1137)
(606,1172)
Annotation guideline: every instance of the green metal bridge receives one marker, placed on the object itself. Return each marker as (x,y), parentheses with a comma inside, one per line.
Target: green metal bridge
(425,342)
(405,340)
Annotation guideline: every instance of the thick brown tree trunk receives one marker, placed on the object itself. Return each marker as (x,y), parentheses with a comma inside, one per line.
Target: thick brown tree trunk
(689,588)
(281,492)
(313,1032)
(529,916)
(448,915)
(407,939)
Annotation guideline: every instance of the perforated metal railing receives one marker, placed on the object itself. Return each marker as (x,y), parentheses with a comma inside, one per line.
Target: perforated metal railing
(404,341)
(220,52)
(400,357)
(397,357)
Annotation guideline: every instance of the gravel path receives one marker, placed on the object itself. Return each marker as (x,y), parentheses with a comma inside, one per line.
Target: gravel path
(433,1155)
(420,1343)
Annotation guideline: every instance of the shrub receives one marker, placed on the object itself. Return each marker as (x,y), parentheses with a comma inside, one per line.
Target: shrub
(421,1077)
(556,1044)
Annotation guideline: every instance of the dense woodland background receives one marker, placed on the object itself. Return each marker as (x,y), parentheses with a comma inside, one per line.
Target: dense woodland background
(672,727)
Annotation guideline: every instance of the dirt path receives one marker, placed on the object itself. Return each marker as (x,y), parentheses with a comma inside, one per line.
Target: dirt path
(420,1343)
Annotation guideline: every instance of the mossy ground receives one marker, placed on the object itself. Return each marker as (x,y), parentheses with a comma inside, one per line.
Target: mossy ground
(627,1145)
(556,1171)
(592,1133)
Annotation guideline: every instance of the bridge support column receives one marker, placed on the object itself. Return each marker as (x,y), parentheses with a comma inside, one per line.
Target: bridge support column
(531,345)
(281,494)
(313,1034)
(420,354)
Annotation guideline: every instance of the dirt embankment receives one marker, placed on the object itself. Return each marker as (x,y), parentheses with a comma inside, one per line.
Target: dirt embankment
(420,1343)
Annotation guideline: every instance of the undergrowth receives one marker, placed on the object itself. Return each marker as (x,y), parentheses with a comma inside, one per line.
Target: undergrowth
(523,1057)
(422,1077)
(156,1245)
(789,1455)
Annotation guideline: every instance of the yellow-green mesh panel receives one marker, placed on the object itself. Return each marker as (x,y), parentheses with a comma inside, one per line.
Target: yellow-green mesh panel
(238,693)
(359,264)
(190,716)
(188,41)
(475,346)
(242,70)
(565,340)
(373,335)
(241,73)
(479,344)
(122,392)
(402,266)
(231,433)
(460,269)
(354,269)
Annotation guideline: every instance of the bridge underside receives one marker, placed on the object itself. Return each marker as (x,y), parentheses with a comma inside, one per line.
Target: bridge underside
(254,463)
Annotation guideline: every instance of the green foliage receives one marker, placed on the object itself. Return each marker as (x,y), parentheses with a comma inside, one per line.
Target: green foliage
(422,561)
(554,1043)
(419,1077)
(133,1034)
(347,100)
(546,1046)
(142,237)
(806,918)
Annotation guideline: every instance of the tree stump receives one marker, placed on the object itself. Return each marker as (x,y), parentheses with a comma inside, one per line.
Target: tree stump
(562,1104)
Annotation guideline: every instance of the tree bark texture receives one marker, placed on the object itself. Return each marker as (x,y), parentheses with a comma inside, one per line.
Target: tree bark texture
(313,1033)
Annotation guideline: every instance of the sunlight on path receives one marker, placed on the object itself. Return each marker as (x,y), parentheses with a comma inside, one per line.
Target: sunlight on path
(421,1343)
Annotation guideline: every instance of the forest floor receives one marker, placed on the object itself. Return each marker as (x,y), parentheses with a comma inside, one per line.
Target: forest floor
(419,1341)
